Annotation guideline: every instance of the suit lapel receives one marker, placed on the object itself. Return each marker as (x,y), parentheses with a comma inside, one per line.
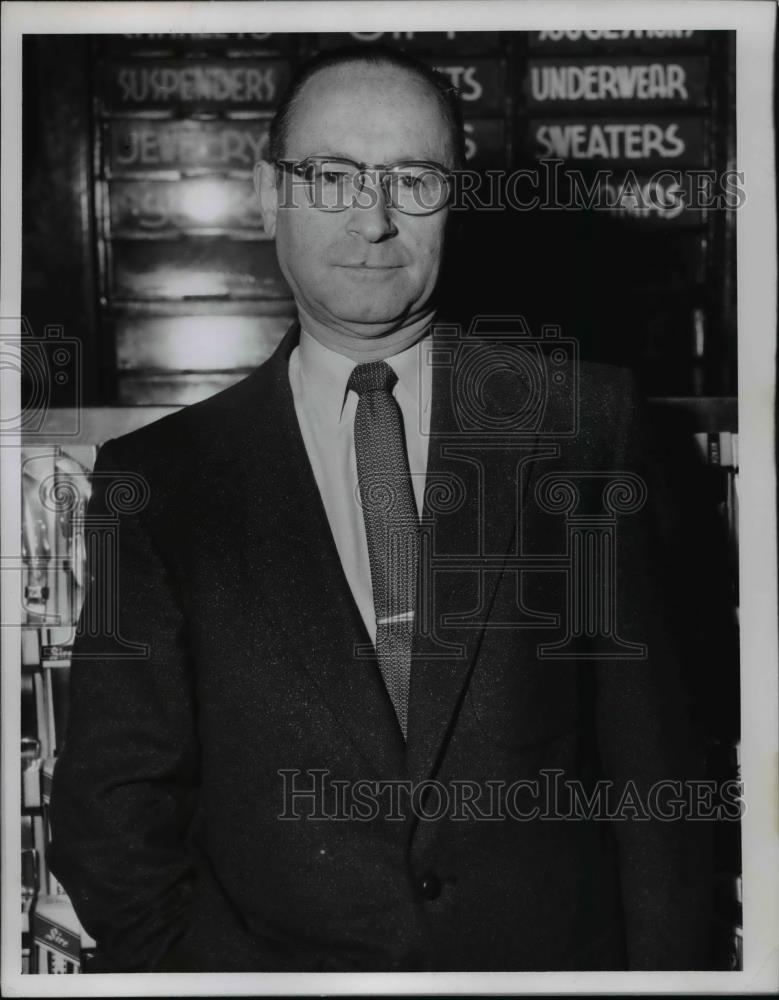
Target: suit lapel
(476,487)
(273,495)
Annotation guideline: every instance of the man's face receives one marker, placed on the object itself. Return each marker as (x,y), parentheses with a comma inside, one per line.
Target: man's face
(365,271)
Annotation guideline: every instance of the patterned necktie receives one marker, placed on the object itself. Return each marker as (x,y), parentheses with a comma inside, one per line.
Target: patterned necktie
(391,524)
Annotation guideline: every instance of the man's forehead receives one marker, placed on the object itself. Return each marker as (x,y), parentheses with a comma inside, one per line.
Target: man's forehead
(354,74)
(364,105)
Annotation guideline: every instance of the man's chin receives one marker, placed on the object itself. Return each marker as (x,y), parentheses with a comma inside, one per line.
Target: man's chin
(371,319)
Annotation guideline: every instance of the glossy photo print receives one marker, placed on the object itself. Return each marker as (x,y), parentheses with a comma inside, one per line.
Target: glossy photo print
(388,513)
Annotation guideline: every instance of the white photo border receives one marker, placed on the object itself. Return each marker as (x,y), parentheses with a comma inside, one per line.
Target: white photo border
(753,21)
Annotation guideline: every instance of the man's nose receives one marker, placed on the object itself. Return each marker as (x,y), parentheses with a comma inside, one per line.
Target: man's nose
(369,214)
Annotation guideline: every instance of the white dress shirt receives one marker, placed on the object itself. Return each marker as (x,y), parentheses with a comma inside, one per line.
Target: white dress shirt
(325,412)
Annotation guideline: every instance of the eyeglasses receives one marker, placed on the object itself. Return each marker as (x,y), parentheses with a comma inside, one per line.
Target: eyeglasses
(333,183)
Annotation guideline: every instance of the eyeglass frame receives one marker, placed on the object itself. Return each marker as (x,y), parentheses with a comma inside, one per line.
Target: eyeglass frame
(384,170)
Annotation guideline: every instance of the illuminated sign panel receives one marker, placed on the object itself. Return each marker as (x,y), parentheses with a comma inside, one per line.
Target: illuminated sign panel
(581,83)
(196,268)
(195,203)
(645,141)
(136,146)
(246,84)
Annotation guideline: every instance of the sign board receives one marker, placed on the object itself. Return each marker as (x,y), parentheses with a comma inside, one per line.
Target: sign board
(480,82)
(149,207)
(137,146)
(417,41)
(590,83)
(653,201)
(196,343)
(163,43)
(645,141)
(196,268)
(605,40)
(197,84)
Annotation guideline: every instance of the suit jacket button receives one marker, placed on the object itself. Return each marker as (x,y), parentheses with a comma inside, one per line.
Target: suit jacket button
(430,886)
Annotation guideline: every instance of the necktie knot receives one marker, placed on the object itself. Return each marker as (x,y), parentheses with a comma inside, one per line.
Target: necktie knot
(372,376)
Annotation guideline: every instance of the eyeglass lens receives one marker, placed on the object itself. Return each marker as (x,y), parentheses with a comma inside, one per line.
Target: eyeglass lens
(415,189)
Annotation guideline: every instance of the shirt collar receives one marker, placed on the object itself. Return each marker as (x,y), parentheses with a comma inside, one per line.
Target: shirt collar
(326,374)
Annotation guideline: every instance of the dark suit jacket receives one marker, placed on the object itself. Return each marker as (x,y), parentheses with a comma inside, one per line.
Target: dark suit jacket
(167,797)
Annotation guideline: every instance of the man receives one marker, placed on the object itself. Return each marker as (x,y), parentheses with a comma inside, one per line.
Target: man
(360,578)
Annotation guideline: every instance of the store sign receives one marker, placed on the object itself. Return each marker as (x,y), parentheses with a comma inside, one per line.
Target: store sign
(652,141)
(196,342)
(601,39)
(249,84)
(135,146)
(422,41)
(157,42)
(55,937)
(196,268)
(193,203)
(480,82)
(191,38)
(172,389)
(659,201)
(608,82)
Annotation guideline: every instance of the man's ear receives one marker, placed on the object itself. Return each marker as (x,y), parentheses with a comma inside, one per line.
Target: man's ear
(267,192)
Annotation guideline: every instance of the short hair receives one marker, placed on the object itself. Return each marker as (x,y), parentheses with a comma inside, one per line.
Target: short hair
(445,93)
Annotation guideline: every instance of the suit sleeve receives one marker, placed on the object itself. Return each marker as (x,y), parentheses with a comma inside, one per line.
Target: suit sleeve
(647,742)
(126,784)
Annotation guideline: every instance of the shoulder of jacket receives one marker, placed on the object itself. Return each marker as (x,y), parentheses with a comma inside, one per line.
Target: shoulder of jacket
(195,432)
